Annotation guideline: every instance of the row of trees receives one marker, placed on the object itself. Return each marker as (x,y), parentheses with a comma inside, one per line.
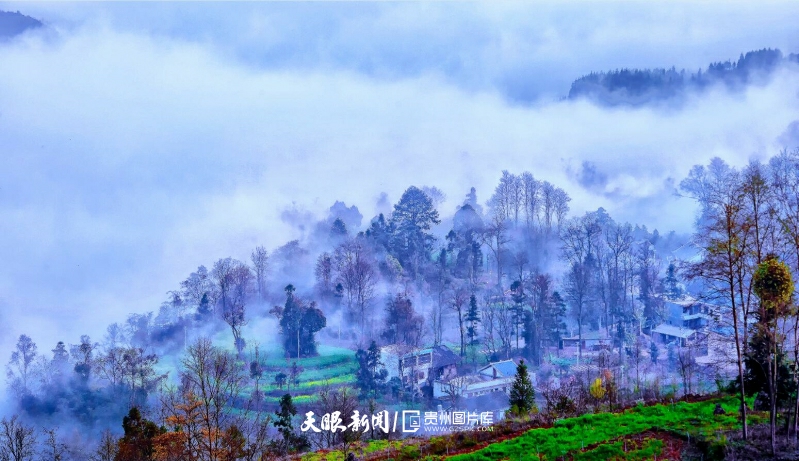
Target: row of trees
(485,285)
(748,238)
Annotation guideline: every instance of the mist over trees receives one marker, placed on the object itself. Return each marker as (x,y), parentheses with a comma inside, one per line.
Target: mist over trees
(634,87)
(517,277)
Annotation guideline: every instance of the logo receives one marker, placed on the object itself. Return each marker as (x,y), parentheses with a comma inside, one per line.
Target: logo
(411,421)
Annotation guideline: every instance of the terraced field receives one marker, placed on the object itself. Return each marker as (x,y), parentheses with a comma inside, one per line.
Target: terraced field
(333,367)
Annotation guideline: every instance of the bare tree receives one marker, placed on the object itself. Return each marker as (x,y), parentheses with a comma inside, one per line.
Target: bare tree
(453,389)
(560,201)
(344,401)
(548,205)
(356,273)
(17,440)
(531,200)
(54,449)
(235,314)
(507,199)
(107,448)
(724,244)
(504,324)
(110,366)
(458,300)
(260,259)
(221,274)
(686,363)
(324,272)
(210,382)
(20,366)
(489,318)
(578,293)
(494,236)
(785,184)
(198,285)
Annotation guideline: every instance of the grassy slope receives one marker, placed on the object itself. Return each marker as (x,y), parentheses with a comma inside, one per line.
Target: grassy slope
(569,436)
(592,437)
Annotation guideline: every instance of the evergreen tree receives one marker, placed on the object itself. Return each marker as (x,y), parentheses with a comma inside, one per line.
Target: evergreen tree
(204,308)
(413,217)
(137,443)
(371,375)
(670,283)
(291,442)
(338,229)
(472,319)
(299,324)
(522,393)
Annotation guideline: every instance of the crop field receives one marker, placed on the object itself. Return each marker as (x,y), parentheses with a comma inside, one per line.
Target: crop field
(333,367)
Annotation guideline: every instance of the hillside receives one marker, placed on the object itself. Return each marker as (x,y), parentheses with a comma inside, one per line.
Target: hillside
(655,432)
(15,23)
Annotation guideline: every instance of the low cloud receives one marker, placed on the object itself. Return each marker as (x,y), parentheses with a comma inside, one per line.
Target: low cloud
(131,157)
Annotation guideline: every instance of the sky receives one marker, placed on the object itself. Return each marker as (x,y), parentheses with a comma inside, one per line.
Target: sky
(140,140)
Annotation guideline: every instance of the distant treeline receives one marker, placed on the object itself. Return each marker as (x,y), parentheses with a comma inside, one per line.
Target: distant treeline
(641,86)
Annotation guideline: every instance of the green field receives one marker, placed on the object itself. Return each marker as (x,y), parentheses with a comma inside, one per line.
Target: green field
(333,367)
(637,434)
(568,437)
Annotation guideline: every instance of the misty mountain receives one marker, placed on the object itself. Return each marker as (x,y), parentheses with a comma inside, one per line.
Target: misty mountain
(15,23)
(635,87)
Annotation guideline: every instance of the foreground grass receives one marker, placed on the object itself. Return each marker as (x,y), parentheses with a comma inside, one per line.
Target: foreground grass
(570,436)
(591,437)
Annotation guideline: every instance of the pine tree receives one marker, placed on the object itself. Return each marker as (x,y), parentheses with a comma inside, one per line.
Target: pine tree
(204,309)
(472,319)
(522,393)
(673,290)
(338,229)
(285,426)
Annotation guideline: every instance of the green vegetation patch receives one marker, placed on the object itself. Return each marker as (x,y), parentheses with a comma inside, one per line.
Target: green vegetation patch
(649,449)
(570,436)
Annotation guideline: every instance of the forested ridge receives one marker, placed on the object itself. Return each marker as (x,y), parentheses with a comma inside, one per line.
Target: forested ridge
(634,87)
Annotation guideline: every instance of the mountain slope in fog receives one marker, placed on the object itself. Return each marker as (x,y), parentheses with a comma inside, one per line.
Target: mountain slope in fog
(635,87)
(15,23)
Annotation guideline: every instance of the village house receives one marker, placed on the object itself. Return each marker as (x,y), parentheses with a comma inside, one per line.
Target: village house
(419,367)
(686,320)
(493,379)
